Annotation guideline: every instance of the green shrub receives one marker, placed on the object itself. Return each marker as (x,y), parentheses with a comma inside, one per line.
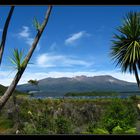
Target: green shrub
(54,116)
(117,130)
(63,125)
(6,123)
(131,131)
(100,131)
(133,97)
(119,113)
(29,129)
(91,127)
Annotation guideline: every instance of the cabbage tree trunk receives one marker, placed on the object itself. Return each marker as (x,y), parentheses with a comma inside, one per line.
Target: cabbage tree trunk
(136,75)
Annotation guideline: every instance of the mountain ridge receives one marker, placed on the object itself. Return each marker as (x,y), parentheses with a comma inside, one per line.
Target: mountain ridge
(60,86)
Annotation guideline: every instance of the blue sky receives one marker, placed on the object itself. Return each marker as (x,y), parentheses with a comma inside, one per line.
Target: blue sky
(76,41)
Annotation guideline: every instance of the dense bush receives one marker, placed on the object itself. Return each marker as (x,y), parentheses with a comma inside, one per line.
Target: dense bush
(119,115)
(63,126)
(117,130)
(72,116)
(131,131)
(29,129)
(40,123)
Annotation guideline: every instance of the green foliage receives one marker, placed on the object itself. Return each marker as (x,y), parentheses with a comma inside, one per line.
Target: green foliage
(36,24)
(119,114)
(70,116)
(117,130)
(91,127)
(131,131)
(5,123)
(133,97)
(94,128)
(17,59)
(39,124)
(100,131)
(126,46)
(63,125)
(33,82)
(29,129)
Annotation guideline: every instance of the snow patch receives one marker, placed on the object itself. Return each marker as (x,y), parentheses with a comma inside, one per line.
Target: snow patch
(111,80)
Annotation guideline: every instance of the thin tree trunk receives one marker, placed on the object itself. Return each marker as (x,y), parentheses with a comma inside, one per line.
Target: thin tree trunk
(136,75)
(38,36)
(10,89)
(4,34)
(15,81)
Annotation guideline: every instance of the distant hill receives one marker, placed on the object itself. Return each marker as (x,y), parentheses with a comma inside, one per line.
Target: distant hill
(63,85)
(16,92)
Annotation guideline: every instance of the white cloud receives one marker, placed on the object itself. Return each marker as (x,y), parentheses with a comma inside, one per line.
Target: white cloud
(41,60)
(25,33)
(51,60)
(29,41)
(7,76)
(117,74)
(75,37)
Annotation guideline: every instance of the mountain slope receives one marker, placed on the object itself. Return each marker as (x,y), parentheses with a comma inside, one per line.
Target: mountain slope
(60,86)
(16,92)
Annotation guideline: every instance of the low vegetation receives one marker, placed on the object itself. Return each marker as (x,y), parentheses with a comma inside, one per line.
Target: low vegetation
(94,93)
(69,116)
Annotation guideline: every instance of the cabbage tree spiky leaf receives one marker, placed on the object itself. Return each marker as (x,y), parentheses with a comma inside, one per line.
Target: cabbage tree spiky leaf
(125,48)
(36,24)
(17,59)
